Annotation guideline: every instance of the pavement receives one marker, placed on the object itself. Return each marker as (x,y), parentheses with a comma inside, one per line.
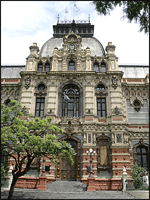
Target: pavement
(65,190)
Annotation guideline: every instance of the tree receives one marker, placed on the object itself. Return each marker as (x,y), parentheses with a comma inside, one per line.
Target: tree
(24,138)
(133,10)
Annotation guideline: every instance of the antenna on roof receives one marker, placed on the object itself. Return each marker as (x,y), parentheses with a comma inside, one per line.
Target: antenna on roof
(66,11)
(58,19)
(89,18)
(75,8)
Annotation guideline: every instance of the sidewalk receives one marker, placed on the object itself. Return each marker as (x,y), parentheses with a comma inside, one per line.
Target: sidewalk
(141,194)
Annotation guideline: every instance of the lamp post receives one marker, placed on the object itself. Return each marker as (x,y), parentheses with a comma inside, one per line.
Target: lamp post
(43,167)
(91,151)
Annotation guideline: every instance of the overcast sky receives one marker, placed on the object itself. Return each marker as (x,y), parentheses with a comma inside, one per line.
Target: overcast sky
(25,22)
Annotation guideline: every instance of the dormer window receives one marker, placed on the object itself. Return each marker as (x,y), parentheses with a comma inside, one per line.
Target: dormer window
(71,66)
(40,67)
(96,67)
(103,67)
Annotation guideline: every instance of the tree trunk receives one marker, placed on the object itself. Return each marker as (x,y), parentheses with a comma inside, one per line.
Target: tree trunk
(11,191)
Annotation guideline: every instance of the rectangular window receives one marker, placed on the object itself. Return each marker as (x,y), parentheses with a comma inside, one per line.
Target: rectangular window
(39,109)
(101,107)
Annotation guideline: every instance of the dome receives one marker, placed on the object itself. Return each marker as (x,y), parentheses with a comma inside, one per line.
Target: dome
(95,46)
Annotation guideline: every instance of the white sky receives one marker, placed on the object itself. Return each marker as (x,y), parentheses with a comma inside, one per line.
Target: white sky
(25,22)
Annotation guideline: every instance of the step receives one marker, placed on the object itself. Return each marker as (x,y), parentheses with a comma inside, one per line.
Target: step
(66,186)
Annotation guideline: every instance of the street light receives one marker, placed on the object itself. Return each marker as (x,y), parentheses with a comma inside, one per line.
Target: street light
(43,167)
(91,151)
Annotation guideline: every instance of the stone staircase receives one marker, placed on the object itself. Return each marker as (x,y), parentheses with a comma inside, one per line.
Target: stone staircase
(78,190)
(66,186)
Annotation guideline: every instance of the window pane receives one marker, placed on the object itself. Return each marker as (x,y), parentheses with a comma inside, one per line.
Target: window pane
(138,150)
(63,113)
(98,100)
(77,113)
(103,106)
(99,113)
(103,114)
(38,100)
(70,112)
(42,100)
(38,106)
(99,106)
(41,113)
(103,100)
(37,113)
(40,68)
(96,69)
(139,160)
(143,150)
(144,161)
(42,106)
(63,106)
(70,106)
(71,66)
(103,69)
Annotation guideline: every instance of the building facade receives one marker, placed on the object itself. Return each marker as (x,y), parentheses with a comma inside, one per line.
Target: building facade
(98,104)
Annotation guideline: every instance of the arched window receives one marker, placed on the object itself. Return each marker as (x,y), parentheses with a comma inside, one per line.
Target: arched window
(96,67)
(71,66)
(141,154)
(100,87)
(40,67)
(103,67)
(47,67)
(70,101)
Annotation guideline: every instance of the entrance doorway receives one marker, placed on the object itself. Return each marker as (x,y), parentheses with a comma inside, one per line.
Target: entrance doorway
(69,173)
(63,170)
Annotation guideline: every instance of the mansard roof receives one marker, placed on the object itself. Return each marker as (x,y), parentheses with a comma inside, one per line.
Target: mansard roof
(130,71)
(96,47)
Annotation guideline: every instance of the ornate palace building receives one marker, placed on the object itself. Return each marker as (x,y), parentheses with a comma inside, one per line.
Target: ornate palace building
(98,104)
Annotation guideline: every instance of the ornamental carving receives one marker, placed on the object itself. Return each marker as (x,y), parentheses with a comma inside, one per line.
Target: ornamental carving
(114,82)
(117,111)
(27,82)
(69,120)
(25,111)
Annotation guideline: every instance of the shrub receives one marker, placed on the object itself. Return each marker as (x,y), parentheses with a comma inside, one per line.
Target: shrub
(137,175)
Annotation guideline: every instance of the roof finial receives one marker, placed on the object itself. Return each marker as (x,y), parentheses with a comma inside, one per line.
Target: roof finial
(89,18)
(58,19)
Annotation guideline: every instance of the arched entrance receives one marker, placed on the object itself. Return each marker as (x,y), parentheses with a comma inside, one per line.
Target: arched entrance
(65,172)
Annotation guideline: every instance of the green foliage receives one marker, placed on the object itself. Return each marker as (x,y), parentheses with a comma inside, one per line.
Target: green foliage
(4,169)
(137,175)
(33,136)
(132,10)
